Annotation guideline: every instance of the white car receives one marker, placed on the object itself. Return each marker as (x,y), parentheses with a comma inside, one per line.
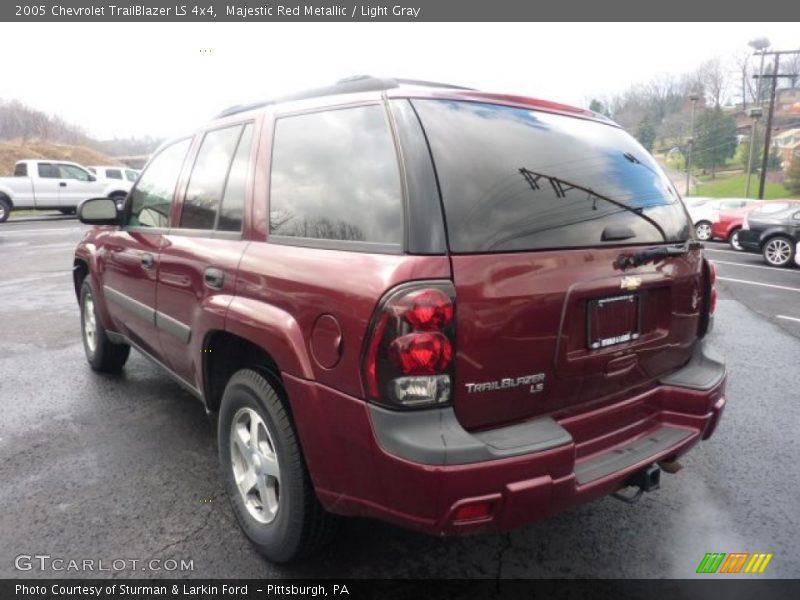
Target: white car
(115,172)
(704,212)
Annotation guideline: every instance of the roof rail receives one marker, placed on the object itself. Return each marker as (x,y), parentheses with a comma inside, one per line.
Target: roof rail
(349,85)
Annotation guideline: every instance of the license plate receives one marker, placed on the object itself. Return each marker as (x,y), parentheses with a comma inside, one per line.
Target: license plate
(612,321)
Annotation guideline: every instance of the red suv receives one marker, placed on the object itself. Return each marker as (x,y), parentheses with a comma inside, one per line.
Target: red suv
(453,310)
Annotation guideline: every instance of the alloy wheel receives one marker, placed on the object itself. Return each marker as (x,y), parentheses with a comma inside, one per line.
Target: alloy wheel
(778,252)
(255,465)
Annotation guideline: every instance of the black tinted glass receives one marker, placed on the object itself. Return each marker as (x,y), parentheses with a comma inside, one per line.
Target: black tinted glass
(335,176)
(21,170)
(151,199)
(515,179)
(208,178)
(232,207)
(46,170)
(113,173)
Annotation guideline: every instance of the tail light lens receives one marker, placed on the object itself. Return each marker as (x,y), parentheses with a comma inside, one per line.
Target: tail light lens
(409,356)
(709,297)
(712,278)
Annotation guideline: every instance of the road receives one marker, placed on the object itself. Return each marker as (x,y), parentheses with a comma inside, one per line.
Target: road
(98,467)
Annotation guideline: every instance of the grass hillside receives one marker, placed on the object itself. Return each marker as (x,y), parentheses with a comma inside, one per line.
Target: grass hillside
(11,152)
(733,185)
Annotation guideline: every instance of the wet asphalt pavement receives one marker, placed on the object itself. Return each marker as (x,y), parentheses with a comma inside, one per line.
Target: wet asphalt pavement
(107,468)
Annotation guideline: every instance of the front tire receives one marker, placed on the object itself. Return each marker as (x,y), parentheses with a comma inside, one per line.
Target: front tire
(734,240)
(102,354)
(703,230)
(264,472)
(5,210)
(778,251)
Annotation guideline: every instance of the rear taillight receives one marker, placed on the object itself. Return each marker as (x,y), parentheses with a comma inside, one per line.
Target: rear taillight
(709,297)
(409,356)
(712,279)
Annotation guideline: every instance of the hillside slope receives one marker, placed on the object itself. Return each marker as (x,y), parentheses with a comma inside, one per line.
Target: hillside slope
(11,152)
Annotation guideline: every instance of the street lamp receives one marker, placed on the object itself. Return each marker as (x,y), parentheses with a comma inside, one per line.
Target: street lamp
(759,45)
(694,98)
(755,113)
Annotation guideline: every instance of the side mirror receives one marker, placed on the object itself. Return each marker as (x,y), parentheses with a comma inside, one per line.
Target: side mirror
(98,211)
(92,177)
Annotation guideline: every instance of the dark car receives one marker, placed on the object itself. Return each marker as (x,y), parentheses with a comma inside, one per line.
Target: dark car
(452,310)
(774,231)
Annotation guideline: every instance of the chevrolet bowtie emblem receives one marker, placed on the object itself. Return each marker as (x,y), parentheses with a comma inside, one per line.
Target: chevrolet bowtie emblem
(630,283)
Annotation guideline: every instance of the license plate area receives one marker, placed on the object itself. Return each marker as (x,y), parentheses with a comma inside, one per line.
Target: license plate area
(613,320)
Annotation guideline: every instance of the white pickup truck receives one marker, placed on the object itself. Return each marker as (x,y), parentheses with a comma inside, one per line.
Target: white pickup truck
(54,185)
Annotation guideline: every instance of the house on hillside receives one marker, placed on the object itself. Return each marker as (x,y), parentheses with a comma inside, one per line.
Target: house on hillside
(788,145)
(787,101)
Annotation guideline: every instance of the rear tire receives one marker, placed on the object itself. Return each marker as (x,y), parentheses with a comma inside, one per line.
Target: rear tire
(703,230)
(5,210)
(733,240)
(264,472)
(102,354)
(778,251)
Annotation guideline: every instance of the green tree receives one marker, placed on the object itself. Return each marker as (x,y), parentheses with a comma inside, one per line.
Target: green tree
(716,139)
(646,133)
(793,174)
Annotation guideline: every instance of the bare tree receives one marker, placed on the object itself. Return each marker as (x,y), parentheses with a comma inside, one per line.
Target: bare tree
(790,64)
(713,75)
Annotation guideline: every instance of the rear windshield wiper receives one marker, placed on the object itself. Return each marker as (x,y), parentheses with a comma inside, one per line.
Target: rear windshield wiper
(655,255)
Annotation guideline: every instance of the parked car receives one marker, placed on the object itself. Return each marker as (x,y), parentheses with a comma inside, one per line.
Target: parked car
(729,223)
(53,185)
(774,231)
(115,172)
(124,177)
(704,212)
(452,310)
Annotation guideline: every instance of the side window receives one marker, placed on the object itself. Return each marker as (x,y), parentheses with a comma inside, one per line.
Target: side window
(113,173)
(151,199)
(21,170)
(232,207)
(47,171)
(207,181)
(335,176)
(131,175)
(72,172)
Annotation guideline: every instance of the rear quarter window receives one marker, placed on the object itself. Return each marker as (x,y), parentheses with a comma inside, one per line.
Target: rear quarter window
(514,179)
(335,176)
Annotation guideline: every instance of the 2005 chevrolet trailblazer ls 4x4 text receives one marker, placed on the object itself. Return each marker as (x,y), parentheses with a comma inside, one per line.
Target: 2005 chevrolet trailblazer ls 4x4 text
(453,310)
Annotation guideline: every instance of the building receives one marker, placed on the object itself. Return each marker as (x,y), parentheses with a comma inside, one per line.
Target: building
(788,145)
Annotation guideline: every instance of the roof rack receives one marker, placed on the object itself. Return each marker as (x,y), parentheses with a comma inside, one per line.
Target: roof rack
(349,85)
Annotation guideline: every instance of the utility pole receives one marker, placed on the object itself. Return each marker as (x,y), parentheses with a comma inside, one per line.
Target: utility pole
(768,134)
(755,113)
(694,98)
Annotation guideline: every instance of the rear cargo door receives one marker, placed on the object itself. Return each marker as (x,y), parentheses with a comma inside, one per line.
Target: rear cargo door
(540,208)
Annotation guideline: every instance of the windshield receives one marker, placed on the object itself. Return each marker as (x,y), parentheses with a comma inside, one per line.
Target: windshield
(515,179)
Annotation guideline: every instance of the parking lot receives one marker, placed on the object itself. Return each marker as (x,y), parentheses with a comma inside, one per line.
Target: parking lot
(100,467)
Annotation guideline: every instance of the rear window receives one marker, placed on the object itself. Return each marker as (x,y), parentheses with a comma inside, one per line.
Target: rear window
(514,179)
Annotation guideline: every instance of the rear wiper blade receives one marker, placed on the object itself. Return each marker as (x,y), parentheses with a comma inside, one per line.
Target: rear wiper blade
(655,255)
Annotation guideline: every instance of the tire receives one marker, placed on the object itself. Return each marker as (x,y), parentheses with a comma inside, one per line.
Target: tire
(5,210)
(703,230)
(778,251)
(102,354)
(733,240)
(274,499)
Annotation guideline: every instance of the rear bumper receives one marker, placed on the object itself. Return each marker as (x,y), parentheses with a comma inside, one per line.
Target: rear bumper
(416,469)
(750,240)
